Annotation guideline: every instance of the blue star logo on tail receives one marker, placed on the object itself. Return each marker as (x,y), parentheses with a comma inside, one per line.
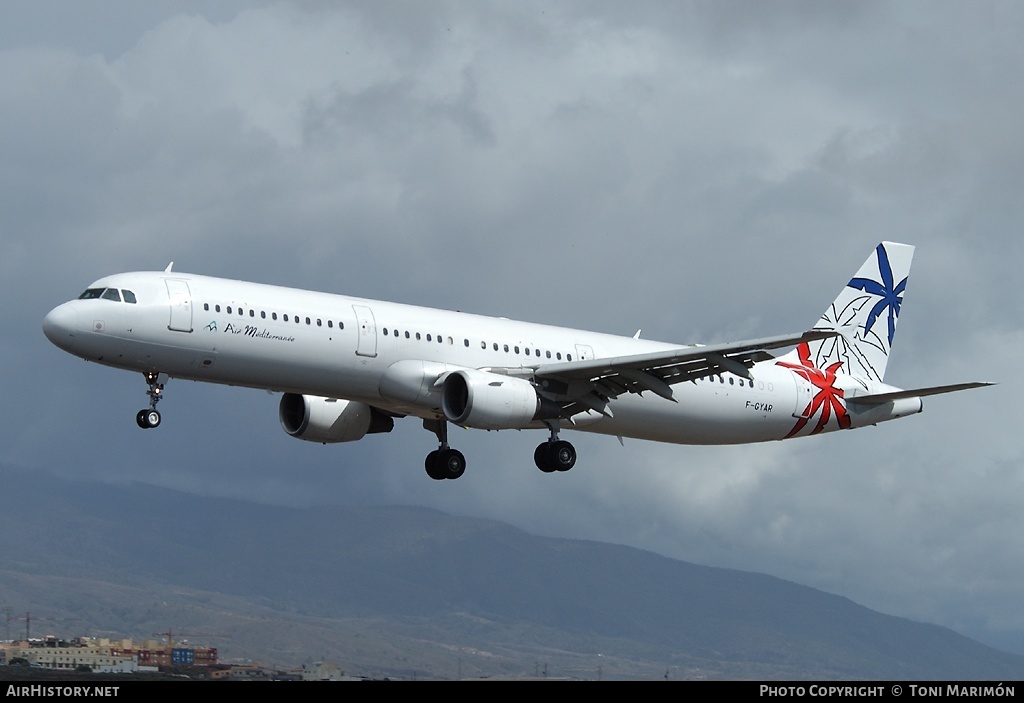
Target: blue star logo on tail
(892,295)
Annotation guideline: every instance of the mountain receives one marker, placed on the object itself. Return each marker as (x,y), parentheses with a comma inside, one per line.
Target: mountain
(412,592)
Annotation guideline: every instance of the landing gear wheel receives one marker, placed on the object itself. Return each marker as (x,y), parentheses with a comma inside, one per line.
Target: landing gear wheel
(433,466)
(540,458)
(453,463)
(147,419)
(558,455)
(445,463)
(562,455)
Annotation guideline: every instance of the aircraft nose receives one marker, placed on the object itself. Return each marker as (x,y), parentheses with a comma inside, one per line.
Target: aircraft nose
(61,325)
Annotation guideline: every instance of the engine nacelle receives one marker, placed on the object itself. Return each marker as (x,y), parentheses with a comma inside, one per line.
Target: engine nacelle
(489,401)
(324,420)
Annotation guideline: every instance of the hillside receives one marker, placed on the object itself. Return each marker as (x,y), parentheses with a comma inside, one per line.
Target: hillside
(405,591)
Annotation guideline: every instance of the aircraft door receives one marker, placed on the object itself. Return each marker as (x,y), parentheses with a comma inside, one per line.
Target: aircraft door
(181,305)
(584,352)
(366,342)
(804,396)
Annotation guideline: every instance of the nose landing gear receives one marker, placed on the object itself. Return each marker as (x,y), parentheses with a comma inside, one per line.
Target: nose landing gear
(150,418)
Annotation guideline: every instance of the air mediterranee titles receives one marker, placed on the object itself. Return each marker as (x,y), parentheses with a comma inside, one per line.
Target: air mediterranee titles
(252,331)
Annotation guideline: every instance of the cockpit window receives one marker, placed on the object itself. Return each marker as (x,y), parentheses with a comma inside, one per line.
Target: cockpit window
(108,294)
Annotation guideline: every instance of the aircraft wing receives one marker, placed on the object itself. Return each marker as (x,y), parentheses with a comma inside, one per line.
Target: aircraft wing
(592,382)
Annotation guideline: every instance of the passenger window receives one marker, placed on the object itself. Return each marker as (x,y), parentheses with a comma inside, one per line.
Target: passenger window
(505,347)
(558,356)
(129,297)
(568,357)
(229,309)
(206,306)
(466,341)
(407,335)
(217,308)
(537,351)
(428,337)
(517,349)
(263,314)
(252,313)
(547,354)
(273,315)
(112,294)
(308,322)
(285,317)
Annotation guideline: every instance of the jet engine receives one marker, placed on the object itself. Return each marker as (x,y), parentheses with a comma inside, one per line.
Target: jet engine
(324,420)
(491,401)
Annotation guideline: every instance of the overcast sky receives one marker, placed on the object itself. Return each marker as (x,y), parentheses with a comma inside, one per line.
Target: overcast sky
(705,171)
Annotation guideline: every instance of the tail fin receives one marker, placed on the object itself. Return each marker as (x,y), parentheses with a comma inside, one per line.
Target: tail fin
(865,313)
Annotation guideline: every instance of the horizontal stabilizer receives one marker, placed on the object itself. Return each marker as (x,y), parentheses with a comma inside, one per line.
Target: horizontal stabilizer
(879,398)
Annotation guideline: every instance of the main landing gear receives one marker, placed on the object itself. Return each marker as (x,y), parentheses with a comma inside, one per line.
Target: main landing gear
(444,462)
(555,454)
(148,419)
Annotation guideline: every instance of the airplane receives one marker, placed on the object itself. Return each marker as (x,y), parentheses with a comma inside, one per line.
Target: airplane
(348,367)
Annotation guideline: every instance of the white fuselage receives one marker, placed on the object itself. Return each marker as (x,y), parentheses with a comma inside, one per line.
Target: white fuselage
(388,355)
